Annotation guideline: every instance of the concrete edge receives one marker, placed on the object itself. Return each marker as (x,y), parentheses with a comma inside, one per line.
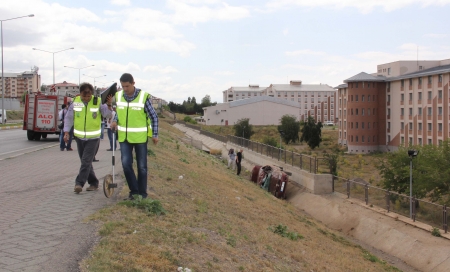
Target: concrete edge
(17,155)
(10,127)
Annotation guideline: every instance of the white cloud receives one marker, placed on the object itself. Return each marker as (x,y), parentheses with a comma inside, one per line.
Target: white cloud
(121,2)
(160,69)
(305,52)
(224,73)
(363,6)
(285,32)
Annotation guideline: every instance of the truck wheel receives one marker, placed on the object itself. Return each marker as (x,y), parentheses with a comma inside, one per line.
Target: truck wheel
(44,135)
(37,136)
(30,135)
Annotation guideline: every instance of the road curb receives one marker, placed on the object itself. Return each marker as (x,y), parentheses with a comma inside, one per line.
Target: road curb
(10,127)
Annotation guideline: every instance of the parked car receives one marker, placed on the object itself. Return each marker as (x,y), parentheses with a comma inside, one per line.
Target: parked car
(329,123)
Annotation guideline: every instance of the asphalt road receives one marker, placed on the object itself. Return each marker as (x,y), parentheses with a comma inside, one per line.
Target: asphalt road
(14,142)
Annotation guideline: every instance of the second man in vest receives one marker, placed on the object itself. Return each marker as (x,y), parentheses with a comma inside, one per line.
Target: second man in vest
(135,121)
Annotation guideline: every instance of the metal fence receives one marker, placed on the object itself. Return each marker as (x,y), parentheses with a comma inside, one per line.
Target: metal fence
(217,137)
(430,213)
(309,163)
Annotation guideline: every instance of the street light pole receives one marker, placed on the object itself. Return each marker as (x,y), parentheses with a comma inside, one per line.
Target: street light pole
(94,78)
(3,77)
(53,58)
(79,70)
(411,154)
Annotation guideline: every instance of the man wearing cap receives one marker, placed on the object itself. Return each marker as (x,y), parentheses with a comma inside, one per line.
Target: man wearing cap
(135,120)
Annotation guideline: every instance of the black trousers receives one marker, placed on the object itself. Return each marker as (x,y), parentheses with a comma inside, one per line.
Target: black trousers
(238,164)
(86,152)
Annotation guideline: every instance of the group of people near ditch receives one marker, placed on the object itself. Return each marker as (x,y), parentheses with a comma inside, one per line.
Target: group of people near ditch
(234,160)
(133,120)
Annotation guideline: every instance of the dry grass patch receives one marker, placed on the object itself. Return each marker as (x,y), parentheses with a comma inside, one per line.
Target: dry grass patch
(214,221)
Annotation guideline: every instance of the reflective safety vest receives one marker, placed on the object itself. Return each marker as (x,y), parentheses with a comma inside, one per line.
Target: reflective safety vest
(134,126)
(87,119)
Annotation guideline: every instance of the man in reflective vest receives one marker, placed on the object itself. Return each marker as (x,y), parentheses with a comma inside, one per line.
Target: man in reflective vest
(85,115)
(135,121)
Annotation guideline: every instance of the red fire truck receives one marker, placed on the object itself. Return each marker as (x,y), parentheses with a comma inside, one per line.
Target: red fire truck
(41,114)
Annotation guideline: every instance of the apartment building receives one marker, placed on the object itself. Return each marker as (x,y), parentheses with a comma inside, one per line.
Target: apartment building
(316,100)
(16,84)
(404,103)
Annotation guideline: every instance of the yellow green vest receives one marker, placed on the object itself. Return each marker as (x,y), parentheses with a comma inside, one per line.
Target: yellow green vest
(87,119)
(134,126)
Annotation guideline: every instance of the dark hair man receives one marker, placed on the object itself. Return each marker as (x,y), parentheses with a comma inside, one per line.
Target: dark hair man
(238,161)
(85,115)
(135,120)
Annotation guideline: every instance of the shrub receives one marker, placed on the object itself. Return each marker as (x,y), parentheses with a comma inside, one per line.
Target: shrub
(149,205)
(270,141)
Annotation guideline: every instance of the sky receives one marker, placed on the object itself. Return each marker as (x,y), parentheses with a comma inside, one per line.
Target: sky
(177,49)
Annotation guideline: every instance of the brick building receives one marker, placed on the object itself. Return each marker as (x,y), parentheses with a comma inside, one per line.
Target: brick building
(404,103)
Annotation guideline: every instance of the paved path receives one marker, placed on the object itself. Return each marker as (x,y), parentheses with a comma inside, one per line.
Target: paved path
(41,226)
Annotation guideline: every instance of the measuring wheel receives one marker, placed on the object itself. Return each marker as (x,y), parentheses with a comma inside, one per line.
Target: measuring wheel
(108,182)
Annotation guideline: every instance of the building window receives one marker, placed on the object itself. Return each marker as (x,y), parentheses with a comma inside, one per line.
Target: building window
(389,71)
(410,82)
(420,95)
(420,111)
(440,111)
(429,95)
(402,97)
(402,125)
(356,111)
(402,82)
(402,141)
(362,125)
(429,79)
(440,94)
(410,140)
(410,125)
(356,125)
(420,81)
(356,98)
(420,126)
(430,142)
(429,126)
(410,96)
(389,125)
(430,111)
(410,111)
(362,139)
(402,111)
(440,78)
(420,141)
(356,137)
(362,112)
(388,98)
(368,98)
(389,138)
(299,100)
(440,126)
(368,111)
(362,98)
(351,125)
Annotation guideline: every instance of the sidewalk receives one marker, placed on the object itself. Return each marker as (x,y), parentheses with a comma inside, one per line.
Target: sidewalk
(41,226)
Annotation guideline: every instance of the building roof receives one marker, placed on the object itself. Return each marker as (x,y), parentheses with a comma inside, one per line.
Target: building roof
(427,72)
(302,88)
(11,75)
(342,86)
(65,84)
(256,99)
(363,76)
(250,88)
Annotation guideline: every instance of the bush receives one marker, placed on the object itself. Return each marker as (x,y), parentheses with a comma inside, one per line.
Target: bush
(187,119)
(435,232)
(270,141)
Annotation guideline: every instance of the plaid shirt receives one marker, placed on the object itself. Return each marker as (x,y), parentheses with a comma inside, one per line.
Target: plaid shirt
(148,108)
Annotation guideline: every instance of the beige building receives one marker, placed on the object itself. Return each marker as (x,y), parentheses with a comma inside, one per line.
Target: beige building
(16,84)
(261,110)
(409,105)
(316,100)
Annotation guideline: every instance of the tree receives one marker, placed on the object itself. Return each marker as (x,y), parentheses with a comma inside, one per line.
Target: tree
(290,127)
(431,175)
(242,128)
(189,100)
(22,98)
(206,101)
(43,88)
(311,133)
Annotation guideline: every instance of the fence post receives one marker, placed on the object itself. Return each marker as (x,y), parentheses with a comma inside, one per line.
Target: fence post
(413,203)
(444,218)
(316,164)
(292,157)
(388,201)
(285,156)
(310,164)
(348,188)
(332,183)
(301,161)
(366,194)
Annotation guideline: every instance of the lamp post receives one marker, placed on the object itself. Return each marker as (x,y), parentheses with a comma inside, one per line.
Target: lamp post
(3,78)
(79,69)
(411,154)
(281,134)
(94,78)
(53,53)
